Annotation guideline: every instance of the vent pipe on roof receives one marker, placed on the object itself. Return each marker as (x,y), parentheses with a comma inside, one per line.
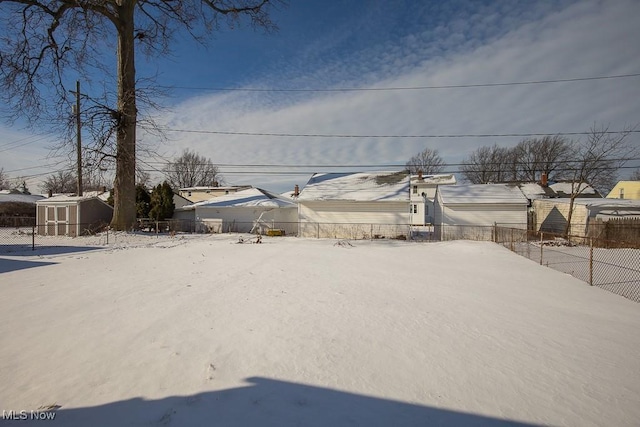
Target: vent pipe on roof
(296,191)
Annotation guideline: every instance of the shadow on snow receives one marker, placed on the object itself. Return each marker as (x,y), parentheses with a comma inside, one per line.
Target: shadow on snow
(267,402)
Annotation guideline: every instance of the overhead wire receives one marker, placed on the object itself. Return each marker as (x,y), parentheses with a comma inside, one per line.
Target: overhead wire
(404,88)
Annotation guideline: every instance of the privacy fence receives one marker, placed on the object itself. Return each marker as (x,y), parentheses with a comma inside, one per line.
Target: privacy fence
(597,258)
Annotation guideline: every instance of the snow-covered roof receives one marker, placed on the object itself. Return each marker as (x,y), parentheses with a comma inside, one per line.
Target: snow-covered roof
(482,193)
(16,196)
(359,186)
(65,198)
(564,189)
(531,190)
(441,179)
(205,188)
(251,197)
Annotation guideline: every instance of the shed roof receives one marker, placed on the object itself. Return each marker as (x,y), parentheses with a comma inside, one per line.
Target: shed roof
(357,186)
(482,193)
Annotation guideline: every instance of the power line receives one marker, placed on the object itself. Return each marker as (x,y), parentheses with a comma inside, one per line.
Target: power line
(319,135)
(401,88)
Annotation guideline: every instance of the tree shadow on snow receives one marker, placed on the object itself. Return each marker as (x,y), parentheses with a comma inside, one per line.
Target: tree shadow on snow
(26,250)
(7,265)
(268,402)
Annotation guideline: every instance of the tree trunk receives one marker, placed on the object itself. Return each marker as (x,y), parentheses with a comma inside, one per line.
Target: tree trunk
(124,213)
(567,227)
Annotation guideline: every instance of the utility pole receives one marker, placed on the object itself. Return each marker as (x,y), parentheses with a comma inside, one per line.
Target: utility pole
(79,137)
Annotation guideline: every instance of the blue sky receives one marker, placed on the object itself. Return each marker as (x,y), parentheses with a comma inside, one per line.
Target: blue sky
(381,44)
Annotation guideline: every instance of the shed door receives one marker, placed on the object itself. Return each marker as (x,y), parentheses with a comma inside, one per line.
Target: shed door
(57,220)
(62,220)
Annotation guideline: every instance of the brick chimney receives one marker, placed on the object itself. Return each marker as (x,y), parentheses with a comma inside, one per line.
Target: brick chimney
(420,175)
(543,180)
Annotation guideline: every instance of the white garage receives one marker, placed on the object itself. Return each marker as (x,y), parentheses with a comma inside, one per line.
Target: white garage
(470,211)
(355,205)
(248,210)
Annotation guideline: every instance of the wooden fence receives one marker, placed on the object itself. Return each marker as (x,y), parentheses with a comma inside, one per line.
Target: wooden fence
(625,230)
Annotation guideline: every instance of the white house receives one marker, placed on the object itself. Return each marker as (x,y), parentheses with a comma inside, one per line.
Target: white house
(470,211)
(355,205)
(423,192)
(252,209)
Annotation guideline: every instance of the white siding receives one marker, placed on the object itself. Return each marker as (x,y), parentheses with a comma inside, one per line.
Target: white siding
(241,219)
(486,214)
(551,216)
(352,219)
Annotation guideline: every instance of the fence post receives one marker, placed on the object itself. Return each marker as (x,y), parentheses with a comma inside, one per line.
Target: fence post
(108,235)
(591,261)
(318,230)
(33,238)
(541,246)
(511,244)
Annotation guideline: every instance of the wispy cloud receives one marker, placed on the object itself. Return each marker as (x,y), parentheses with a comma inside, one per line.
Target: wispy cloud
(432,44)
(490,45)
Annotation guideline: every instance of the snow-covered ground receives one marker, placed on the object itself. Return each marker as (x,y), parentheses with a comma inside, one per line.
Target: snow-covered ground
(200,330)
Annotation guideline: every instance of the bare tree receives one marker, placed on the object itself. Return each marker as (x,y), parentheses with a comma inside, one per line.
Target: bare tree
(548,155)
(635,176)
(427,161)
(63,181)
(191,170)
(45,42)
(490,164)
(596,161)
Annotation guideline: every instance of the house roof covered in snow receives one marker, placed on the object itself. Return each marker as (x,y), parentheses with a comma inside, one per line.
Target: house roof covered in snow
(532,190)
(251,197)
(15,196)
(357,186)
(564,189)
(482,193)
(218,188)
(441,179)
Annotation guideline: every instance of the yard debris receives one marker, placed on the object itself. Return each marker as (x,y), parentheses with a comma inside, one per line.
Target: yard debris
(343,244)
(257,239)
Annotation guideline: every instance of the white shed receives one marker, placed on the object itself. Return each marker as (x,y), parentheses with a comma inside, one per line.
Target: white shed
(355,205)
(469,211)
(241,211)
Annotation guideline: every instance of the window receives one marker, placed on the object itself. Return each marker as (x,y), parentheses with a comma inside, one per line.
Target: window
(426,209)
(415,208)
(622,193)
(415,189)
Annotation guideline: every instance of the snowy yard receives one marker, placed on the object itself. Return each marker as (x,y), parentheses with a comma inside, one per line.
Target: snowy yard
(200,330)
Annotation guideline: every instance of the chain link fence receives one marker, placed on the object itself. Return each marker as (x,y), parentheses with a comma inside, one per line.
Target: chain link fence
(613,265)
